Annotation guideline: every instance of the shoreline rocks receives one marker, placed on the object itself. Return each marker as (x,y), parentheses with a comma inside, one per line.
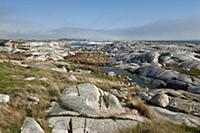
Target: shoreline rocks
(175,95)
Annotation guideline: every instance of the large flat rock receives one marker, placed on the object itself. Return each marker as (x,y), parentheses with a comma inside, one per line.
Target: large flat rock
(83,125)
(87,108)
(162,114)
(172,79)
(185,105)
(90,100)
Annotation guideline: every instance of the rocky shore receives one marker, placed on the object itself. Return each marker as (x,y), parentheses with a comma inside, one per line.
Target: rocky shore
(66,87)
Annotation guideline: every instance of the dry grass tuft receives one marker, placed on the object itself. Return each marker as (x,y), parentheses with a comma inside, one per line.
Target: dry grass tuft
(160,127)
(88,59)
(143,109)
(102,83)
(12,83)
(192,72)
(12,115)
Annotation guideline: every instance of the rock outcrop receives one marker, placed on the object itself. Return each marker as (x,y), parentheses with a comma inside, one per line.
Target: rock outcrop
(160,99)
(84,125)
(31,126)
(172,79)
(190,65)
(87,108)
(162,114)
(88,99)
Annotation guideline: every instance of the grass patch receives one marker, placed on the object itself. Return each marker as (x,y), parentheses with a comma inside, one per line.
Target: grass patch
(12,83)
(101,82)
(15,128)
(192,72)
(161,127)
(143,109)
(88,59)
(12,77)
(12,56)
(9,77)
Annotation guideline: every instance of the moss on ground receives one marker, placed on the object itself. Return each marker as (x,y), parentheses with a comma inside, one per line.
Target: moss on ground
(192,72)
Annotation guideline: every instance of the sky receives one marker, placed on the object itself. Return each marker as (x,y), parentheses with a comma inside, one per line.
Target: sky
(100,19)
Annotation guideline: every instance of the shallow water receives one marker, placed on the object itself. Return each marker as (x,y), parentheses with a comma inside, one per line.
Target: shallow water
(135,78)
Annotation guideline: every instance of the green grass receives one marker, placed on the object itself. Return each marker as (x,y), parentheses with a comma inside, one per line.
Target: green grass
(9,78)
(192,72)
(12,83)
(15,128)
(12,78)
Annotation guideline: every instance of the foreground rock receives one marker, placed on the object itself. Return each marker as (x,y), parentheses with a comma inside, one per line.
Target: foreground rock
(88,99)
(87,108)
(84,125)
(31,126)
(4,98)
(160,99)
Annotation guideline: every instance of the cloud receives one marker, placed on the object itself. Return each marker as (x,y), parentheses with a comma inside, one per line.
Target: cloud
(97,34)
(182,29)
(16,29)
(185,29)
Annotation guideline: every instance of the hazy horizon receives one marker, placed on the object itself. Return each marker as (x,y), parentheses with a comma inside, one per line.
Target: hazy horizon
(100,20)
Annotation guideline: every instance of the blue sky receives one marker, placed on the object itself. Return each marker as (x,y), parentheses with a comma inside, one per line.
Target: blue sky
(98,19)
